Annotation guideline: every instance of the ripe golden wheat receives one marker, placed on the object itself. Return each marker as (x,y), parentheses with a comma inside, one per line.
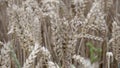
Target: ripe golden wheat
(55,33)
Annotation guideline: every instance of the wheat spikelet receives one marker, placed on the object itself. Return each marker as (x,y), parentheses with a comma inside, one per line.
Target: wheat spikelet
(5,56)
(115,42)
(22,19)
(79,7)
(32,56)
(89,37)
(37,49)
(109,4)
(97,15)
(62,40)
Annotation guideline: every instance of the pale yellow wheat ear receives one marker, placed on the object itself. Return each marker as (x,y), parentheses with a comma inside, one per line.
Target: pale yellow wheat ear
(29,61)
(115,40)
(5,55)
(24,22)
(35,52)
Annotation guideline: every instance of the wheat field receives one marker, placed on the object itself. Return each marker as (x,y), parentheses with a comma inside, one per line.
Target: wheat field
(59,33)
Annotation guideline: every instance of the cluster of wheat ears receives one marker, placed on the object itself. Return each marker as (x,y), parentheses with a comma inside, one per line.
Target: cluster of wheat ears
(59,33)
